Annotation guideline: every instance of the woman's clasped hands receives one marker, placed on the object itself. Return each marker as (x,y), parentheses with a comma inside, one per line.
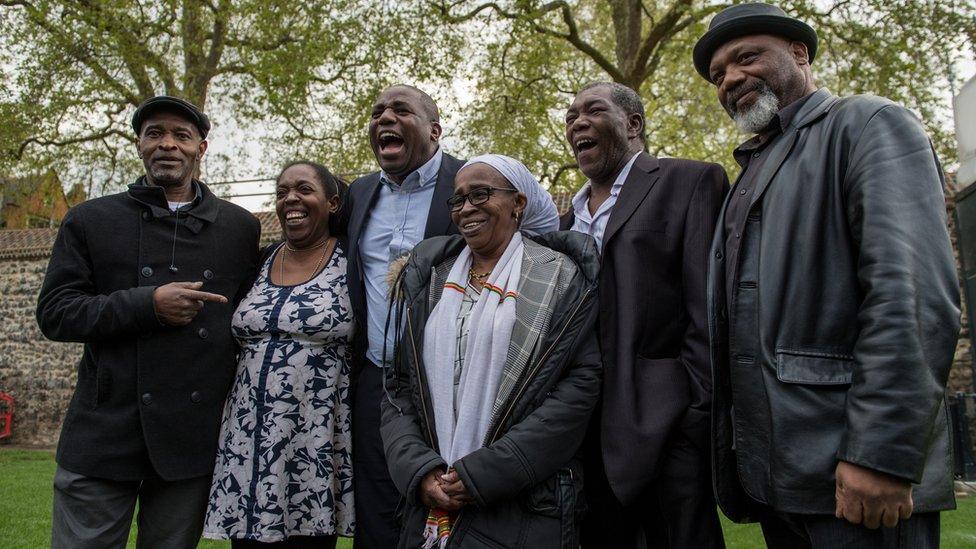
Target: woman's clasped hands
(444,491)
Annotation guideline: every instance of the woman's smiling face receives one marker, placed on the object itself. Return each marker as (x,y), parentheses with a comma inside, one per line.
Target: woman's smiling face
(303,206)
(487,228)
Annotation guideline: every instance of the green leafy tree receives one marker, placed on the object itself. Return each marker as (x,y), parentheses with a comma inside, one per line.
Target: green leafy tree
(291,78)
(534,54)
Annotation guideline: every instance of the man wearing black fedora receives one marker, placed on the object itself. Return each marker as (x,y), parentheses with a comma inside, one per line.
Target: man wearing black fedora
(833,302)
(147,280)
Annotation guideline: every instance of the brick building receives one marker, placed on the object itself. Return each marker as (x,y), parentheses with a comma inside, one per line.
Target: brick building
(36,201)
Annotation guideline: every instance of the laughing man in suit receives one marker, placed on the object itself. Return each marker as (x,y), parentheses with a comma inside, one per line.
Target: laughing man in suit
(647,454)
(389,212)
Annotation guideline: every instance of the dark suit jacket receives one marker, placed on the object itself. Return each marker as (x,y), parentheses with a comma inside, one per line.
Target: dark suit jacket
(653,329)
(359,203)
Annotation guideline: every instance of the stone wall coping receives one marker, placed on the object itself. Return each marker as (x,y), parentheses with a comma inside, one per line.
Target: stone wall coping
(36,243)
(26,243)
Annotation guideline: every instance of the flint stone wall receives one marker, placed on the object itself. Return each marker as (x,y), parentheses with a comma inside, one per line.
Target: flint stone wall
(38,373)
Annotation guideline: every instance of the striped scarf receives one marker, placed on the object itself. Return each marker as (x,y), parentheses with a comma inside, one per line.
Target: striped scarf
(491,321)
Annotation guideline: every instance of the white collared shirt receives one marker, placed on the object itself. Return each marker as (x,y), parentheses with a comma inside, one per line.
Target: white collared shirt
(595,225)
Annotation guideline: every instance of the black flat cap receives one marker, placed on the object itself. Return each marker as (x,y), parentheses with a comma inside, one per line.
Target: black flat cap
(171,104)
(745,19)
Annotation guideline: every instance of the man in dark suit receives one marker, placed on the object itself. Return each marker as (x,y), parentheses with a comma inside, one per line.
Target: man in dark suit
(389,212)
(647,468)
(833,302)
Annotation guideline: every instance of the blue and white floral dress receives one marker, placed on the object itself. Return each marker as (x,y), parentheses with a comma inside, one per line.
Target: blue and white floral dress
(284,461)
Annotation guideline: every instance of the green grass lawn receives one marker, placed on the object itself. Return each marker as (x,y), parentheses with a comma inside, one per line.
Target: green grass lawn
(25,508)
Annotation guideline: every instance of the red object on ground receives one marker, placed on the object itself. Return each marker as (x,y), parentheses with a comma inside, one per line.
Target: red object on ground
(6,414)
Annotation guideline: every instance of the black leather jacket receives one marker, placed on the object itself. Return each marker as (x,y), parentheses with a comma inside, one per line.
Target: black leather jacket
(526,482)
(844,318)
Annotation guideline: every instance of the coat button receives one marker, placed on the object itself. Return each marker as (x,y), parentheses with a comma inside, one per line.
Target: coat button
(208,274)
(147,272)
(203,333)
(718,255)
(147,399)
(195,396)
(146,216)
(742,191)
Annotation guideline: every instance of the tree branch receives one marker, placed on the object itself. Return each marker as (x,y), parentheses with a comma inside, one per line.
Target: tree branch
(339,74)
(132,49)
(657,34)
(102,134)
(559,173)
(571,35)
(75,50)
(303,135)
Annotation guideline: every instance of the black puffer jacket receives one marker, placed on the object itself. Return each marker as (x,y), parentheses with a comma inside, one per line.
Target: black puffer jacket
(526,481)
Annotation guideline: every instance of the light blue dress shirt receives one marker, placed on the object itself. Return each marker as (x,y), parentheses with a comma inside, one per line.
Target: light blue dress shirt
(595,225)
(396,224)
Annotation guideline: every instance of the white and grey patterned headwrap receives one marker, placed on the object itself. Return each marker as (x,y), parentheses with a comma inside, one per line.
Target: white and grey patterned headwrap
(540,216)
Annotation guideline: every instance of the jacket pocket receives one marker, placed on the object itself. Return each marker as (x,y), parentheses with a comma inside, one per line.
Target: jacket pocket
(543,498)
(94,379)
(814,368)
(483,540)
(559,497)
(103,385)
(399,511)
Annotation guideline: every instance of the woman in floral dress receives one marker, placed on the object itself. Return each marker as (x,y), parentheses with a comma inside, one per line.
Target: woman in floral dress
(283,475)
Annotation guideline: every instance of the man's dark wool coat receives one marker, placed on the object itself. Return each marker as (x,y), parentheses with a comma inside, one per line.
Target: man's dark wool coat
(149,396)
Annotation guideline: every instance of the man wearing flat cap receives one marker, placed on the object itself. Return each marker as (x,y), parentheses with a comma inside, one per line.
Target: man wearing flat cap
(833,302)
(147,279)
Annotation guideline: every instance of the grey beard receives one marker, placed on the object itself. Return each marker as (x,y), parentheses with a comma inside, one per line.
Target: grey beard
(760,114)
(165,178)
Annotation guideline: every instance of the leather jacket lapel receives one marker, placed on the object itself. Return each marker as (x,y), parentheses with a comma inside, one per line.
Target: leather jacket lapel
(816,107)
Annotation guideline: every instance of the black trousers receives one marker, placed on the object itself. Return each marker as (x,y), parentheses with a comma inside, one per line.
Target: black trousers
(376,495)
(676,512)
(97,513)
(794,531)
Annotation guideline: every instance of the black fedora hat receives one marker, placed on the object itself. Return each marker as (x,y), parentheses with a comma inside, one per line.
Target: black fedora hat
(171,104)
(744,19)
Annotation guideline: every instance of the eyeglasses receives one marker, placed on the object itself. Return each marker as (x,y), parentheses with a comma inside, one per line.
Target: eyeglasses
(475,197)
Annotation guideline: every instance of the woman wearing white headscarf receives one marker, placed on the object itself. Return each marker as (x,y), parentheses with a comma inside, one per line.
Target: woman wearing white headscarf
(496,371)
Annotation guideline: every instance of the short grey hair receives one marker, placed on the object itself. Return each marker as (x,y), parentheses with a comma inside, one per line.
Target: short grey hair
(625,98)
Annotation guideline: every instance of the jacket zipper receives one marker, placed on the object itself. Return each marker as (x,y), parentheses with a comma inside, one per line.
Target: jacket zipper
(420,379)
(516,395)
